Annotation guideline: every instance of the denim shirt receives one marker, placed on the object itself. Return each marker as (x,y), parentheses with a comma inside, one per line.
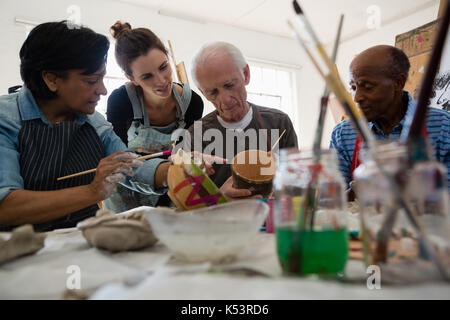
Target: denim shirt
(21,106)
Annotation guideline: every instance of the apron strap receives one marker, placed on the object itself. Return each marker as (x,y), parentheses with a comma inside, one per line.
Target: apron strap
(185,98)
(136,102)
(425,131)
(355,158)
(182,102)
(139,111)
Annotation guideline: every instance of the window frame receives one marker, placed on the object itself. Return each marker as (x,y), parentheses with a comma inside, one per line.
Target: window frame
(293,71)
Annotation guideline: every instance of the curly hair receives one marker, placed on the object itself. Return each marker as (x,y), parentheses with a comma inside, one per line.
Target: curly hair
(58,47)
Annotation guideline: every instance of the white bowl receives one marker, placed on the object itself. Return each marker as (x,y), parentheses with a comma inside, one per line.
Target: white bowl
(213,234)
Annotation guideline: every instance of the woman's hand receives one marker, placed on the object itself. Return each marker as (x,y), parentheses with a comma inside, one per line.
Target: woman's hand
(111,170)
(207,161)
(204,161)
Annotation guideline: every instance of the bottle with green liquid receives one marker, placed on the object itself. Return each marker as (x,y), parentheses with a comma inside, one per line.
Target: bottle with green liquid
(310,214)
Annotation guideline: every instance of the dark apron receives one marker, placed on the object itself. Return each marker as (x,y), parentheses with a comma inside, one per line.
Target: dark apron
(49,152)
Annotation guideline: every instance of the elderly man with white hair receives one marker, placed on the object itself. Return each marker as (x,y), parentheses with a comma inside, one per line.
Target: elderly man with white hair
(221,73)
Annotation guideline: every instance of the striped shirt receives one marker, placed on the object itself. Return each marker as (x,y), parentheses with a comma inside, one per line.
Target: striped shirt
(343,137)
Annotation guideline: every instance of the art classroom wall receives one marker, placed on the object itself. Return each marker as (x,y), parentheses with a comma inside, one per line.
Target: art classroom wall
(385,35)
(441,92)
(187,36)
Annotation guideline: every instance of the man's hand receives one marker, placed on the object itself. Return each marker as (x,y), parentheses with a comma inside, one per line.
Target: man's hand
(232,193)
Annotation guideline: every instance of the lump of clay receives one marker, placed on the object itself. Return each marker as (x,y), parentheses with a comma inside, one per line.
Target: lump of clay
(23,241)
(118,233)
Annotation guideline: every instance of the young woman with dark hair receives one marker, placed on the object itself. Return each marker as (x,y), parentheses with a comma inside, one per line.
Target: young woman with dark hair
(50,129)
(147,110)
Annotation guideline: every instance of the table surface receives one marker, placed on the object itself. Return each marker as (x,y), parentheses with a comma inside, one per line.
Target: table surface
(152,273)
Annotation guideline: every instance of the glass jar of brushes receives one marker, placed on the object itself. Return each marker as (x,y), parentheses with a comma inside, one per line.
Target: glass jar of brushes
(310,209)
(389,233)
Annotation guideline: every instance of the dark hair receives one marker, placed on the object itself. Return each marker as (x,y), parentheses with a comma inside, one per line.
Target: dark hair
(58,47)
(400,62)
(132,43)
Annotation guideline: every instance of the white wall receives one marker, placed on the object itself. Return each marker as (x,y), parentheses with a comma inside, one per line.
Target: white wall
(187,36)
(385,35)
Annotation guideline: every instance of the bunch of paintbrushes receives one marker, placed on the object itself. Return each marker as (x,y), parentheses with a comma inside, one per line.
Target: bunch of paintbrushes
(413,138)
(309,205)
(329,73)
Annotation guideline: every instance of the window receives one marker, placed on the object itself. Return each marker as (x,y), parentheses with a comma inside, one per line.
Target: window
(273,86)
(114,78)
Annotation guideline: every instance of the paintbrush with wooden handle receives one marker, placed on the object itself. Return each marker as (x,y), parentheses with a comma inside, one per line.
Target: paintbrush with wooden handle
(149,156)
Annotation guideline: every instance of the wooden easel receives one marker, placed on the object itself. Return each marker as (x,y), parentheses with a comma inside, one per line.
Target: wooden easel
(180,68)
(442,7)
(417,44)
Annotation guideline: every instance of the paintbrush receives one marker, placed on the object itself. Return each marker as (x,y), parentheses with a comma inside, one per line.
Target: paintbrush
(310,199)
(149,156)
(278,140)
(329,73)
(335,84)
(332,78)
(325,96)
(412,136)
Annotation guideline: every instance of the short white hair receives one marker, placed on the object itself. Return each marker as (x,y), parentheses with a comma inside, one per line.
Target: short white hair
(212,49)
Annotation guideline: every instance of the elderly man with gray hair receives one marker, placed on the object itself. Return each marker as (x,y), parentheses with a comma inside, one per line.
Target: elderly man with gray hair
(221,73)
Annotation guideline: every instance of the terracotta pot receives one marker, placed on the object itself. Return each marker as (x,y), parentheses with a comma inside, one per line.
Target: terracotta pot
(254,170)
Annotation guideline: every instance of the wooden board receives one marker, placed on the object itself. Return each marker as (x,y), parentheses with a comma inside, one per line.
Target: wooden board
(181,73)
(418,66)
(419,40)
(442,5)
(417,44)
